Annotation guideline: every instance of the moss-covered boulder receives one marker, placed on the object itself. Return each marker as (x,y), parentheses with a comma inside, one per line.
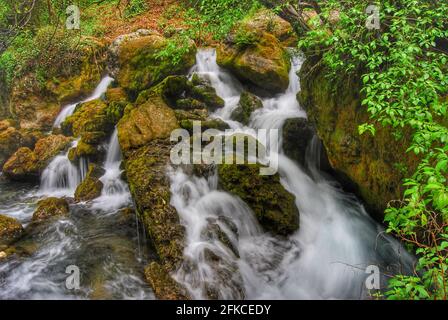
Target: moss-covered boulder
(26,165)
(138,63)
(12,138)
(248,104)
(297,135)
(255,52)
(49,208)
(81,150)
(146,122)
(165,288)
(91,187)
(274,207)
(373,167)
(10,230)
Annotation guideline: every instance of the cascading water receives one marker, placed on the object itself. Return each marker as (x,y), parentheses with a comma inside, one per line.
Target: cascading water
(69,109)
(325,259)
(115,192)
(96,237)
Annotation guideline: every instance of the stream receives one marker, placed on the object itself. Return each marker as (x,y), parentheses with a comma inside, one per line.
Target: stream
(325,259)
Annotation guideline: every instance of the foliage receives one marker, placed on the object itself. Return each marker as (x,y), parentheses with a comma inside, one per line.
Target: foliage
(405,80)
(134,8)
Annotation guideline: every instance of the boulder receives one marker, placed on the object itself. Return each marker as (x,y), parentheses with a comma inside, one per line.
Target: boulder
(248,103)
(49,208)
(297,135)
(273,206)
(138,63)
(165,288)
(26,165)
(10,230)
(151,120)
(91,187)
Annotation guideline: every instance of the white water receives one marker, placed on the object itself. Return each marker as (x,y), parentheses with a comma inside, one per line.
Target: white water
(97,93)
(325,259)
(115,192)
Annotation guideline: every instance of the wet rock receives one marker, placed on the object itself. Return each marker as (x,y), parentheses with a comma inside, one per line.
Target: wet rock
(151,120)
(248,104)
(214,232)
(254,54)
(10,230)
(297,135)
(372,167)
(82,150)
(27,165)
(49,208)
(138,64)
(91,187)
(165,288)
(274,207)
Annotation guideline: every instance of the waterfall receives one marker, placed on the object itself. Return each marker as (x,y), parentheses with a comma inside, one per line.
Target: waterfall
(115,192)
(325,259)
(61,176)
(97,93)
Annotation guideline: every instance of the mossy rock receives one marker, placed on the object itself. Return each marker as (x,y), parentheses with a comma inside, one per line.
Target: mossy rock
(26,165)
(265,63)
(297,135)
(248,103)
(82,150)
(274,207)
(140,65)
(91,187)
(49,208)
(10,230)
(217,124)
(150,188)
(11,139)
(207,95)
(22,166)
(88,117)
(151,120)
(164,287)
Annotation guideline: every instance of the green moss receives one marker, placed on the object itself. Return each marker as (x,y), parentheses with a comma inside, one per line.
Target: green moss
(91,187)
(248,104)
(165,288)
(273,206)
(10,230)
(49,208)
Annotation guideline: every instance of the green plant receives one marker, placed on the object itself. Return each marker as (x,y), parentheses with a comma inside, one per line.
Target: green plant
(405,79)
(244,38)
(135,8)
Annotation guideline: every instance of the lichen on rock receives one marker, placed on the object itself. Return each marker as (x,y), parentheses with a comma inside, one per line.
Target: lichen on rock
(10,230)
(49,208)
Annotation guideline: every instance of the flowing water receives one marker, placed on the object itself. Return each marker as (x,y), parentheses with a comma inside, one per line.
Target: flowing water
(98,237)
(227,254)
(326,259)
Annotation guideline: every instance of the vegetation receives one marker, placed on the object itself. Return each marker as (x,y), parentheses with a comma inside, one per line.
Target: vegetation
(404,76)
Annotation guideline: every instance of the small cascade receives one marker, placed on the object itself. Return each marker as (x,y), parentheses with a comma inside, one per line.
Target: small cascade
(97,93)
(229,256)
(115,192)
(61,177)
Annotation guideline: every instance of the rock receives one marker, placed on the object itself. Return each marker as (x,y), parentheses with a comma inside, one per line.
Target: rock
(22,166)
(138,64)
(151,120)
(297,135)
(82,150)
(165,288)
(12,138)
(150,188)
(91,187)
(207,95)
(88,117)
(10,230)
(49,208)
(260,59)
(117,101)
(267,21)
(372,167)
(27,165)
(217,124)
(274,207)
(248,104)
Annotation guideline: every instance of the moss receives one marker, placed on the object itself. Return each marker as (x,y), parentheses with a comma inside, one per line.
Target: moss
(49,208)
(364,164)
(83,150)
(10,230)
(297,135)
(273,206)
(165,288)
(91,187)
(22,166)
(248,103)
(217,124)
(141,68)
(265,64)
(48,147)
